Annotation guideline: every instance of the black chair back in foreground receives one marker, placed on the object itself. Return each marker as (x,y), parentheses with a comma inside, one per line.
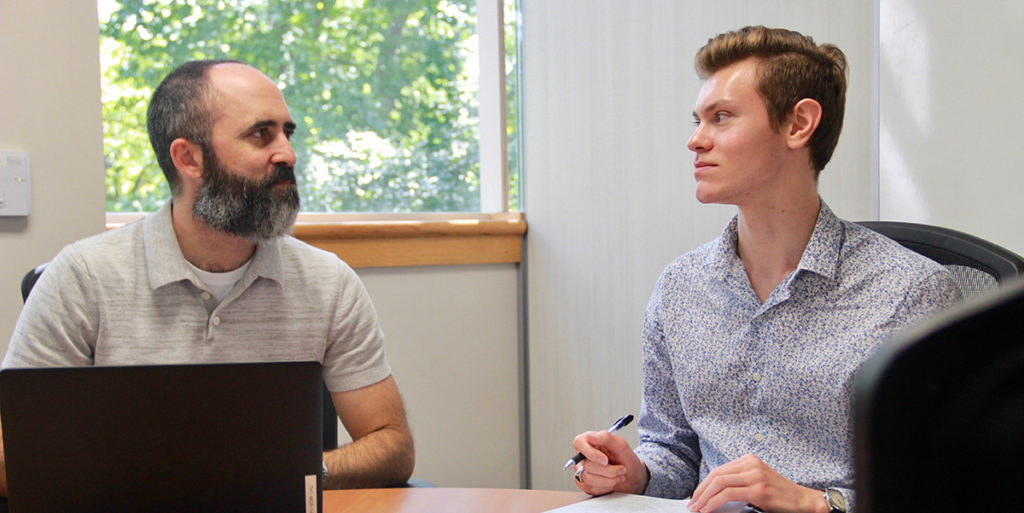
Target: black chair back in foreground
(939,411)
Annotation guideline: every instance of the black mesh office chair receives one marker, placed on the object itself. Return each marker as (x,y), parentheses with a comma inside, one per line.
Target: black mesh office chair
(29,280)
(976,264)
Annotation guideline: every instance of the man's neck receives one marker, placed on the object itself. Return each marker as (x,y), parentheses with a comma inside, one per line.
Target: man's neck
(208,249)
(772,238)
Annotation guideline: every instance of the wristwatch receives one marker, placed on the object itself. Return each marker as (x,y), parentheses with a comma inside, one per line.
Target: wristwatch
(835,500)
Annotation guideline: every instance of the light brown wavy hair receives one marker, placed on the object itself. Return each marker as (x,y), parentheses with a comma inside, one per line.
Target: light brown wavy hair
(791,67)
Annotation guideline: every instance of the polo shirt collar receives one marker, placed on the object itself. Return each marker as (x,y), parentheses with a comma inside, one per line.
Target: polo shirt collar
(165,263)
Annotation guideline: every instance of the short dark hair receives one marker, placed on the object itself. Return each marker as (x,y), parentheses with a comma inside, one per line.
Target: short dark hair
(791,67)
(182,107)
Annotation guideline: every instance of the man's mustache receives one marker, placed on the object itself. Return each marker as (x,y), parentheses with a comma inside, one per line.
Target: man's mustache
(282,173)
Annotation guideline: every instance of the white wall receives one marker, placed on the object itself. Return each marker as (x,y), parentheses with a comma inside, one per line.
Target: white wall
(609,90)
(452,340)
(951,114)
(49,107)
(451,332)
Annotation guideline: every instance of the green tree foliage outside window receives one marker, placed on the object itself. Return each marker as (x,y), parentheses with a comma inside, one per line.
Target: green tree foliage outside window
(381,91)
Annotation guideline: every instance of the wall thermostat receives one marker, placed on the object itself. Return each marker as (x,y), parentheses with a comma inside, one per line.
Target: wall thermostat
(15,184)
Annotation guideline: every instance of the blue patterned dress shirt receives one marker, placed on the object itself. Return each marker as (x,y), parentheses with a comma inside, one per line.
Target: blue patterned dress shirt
(725,375)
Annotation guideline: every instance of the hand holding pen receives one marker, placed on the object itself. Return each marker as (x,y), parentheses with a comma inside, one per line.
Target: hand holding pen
(610,465)
(623,421)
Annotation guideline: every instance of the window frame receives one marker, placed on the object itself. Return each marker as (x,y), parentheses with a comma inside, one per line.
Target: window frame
(493,235)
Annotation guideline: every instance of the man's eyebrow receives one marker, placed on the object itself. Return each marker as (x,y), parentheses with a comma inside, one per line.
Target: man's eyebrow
(288,126)
(708,108)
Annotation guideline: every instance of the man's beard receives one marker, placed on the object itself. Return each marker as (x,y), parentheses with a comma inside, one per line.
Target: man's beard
(255,210)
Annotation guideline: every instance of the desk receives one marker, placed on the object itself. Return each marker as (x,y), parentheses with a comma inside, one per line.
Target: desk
(446,500)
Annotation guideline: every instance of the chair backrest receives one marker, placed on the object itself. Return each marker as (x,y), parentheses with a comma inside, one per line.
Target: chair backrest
(30,280)
(939,410)
(977,265)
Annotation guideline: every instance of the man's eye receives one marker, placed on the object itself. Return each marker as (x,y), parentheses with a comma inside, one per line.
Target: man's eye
(262,133)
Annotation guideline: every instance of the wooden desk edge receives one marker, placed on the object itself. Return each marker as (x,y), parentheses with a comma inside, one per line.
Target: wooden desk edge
(447,500)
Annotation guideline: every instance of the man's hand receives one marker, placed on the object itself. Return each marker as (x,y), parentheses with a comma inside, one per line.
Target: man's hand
(611,465)
(750,480)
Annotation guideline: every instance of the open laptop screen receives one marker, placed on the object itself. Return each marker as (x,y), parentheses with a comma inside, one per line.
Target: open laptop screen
(217,437)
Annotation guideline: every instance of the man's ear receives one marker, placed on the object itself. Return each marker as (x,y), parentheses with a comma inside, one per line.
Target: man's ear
(187,157)
(803,121)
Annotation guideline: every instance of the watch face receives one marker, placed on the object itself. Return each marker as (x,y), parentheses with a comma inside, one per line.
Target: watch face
(836,499)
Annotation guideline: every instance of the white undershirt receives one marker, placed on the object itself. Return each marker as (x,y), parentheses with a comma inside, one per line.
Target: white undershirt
(220,283)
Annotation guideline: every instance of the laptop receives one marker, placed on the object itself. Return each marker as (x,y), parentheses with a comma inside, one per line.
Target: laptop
(217,437)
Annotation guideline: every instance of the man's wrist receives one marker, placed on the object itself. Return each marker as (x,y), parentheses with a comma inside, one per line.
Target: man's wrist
(645,478)
(813,501)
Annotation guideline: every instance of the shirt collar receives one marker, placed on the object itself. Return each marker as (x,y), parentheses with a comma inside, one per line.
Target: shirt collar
(822,253)
(165,264)
(821,256)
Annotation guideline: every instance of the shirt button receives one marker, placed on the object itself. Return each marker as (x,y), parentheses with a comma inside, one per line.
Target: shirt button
(216,321)
(757,376)
(759,438)
(206,296)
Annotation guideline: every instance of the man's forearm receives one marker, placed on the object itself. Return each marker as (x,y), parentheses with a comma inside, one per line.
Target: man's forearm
(382,458)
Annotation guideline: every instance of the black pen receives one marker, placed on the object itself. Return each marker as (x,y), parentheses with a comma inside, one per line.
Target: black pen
(615,427)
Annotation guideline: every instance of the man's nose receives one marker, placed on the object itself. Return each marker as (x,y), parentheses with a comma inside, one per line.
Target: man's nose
(699,139)
(283,152)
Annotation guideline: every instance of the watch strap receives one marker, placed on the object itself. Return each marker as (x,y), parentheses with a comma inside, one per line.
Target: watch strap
(835,506)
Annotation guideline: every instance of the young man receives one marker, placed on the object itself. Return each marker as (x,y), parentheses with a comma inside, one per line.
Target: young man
(214,276)
(752,341)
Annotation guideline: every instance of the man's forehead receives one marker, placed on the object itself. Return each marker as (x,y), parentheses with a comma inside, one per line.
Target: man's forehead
(227,73)
(247,95)
(733,83)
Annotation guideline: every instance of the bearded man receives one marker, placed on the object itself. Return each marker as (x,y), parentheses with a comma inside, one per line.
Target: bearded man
(215,277)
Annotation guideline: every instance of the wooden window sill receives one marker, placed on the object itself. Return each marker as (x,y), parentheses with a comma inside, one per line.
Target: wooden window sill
(378,241)
(489,239)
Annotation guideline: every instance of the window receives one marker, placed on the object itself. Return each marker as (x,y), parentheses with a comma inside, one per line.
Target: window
(394,99)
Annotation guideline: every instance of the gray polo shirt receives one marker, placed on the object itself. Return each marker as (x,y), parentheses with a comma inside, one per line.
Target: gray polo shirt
(128,297)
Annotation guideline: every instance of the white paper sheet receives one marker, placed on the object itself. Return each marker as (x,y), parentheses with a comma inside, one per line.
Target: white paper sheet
(625,502)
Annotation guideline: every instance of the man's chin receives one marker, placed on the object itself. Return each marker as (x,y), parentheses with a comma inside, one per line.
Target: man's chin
(279,224)
(283,224)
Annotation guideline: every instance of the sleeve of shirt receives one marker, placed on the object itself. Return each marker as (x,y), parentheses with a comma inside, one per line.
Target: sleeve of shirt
(59,322)
(668,446)
(355,349)
(936,293)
